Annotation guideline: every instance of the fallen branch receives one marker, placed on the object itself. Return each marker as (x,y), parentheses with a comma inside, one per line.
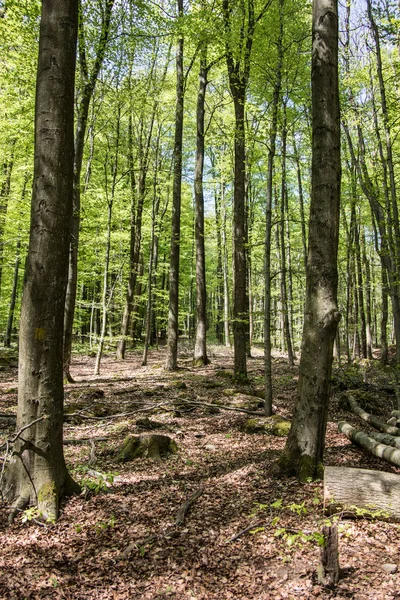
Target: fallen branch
(184,509)
(84,441)
(118,415)
(10,416)
(221,406)
(245,530)
(366,442)
(377,423)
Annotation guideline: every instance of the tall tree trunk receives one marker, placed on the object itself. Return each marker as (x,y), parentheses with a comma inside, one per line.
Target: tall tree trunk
(283,268)
(268,225)
(200,347)
(81,124)
(110,203)
(37,472)
(225,270)
(220,282)
(137,211)
(173,313)
(305,444)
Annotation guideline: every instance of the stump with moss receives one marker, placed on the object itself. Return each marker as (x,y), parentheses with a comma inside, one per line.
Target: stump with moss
(146,446)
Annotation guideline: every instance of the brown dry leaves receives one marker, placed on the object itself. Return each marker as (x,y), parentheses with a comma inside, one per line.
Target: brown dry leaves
(122,542)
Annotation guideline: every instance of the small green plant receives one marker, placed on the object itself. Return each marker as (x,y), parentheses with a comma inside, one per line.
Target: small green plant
(104,525)
(31,514)
(94,482)
(299,509)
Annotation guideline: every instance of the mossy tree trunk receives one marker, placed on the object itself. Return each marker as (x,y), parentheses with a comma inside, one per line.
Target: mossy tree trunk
(305,445)
(37,473)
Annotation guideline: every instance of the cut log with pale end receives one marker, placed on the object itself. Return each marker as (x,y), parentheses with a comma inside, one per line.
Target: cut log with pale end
(377,423)
(375,492)
(366,442)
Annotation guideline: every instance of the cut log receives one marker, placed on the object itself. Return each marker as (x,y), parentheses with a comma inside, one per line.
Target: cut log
(376,492)
(328,568)
(377,423)
(385,438)
(366,442)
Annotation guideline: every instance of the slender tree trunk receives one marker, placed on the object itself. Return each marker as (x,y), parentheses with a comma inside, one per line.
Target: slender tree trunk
(368,316)
(137,212)
(283,268)
(110,203)
(37,472)
(268,225)
(4,197)
(225,270)
(301,202)
(173,312)
(13,298)
(305,444)
(384,316)
(359,284)
(220,282)
(240,299)
(81,124)
(200,347)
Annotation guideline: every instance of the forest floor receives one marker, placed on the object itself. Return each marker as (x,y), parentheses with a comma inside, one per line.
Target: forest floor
(120,539)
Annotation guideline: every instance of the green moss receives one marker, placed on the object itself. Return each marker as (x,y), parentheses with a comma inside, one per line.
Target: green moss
(179,385)
(226,374)
(274,425)
(47,493)
(281,428)
(229,392)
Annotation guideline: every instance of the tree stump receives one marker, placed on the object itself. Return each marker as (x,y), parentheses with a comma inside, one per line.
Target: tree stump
(146,446)
(328,569)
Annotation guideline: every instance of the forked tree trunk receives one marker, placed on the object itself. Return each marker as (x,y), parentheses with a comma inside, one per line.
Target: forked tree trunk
(37,473)
(305,445)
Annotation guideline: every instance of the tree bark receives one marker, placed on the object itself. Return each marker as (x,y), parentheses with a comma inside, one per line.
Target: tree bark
(305,445)
(268,223)
(173,312)
(13,299)
(110,203)
(200,347)
(37,472)
(81,124)
(362,488)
